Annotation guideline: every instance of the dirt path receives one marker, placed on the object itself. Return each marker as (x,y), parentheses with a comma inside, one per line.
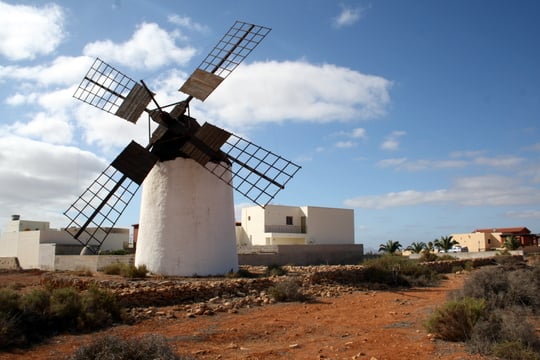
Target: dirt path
(359,325)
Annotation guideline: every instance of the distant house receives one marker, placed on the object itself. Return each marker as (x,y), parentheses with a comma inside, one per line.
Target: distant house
(35,244)
(491,239)
(295,225)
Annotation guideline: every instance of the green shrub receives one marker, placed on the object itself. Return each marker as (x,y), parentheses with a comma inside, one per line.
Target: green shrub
(503,326)
(504,288)
(428,256)
(241,273)
(275,270)
(523,289)
(65,307)
(456,319)
(126,270)
(114,252)
(399,271)
(514,350)
(36,302)
(131,271)
(490,284)
(287,290)
(9,301)
(98,309)
(112,269)
(148,347)
(11,331)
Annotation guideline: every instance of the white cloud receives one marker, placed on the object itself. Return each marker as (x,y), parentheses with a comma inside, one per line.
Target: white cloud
(28,32)
(348,16)
(358,133)
(63,70)
(391,142)
(107,131)
(345,144)
(48,128)
(424,164)
(525,214)
(501,161)
(396,162)
(296,90)
(40,180)
(187,22)
(150,47)
(468,191)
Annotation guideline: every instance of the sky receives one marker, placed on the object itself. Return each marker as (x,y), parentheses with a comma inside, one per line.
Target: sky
(422,115)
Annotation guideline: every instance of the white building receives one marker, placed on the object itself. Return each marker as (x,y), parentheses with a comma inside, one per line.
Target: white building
(293,225)
(35,244)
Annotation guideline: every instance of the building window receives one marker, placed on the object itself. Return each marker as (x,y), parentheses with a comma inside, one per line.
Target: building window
(288,220)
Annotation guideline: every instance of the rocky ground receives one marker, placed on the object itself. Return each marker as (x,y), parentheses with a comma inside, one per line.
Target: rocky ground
(237,319)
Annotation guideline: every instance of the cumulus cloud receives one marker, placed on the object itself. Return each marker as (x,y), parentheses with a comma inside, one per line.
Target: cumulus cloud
(492,190)
(348,16)
(358,133)
(28,32)
(63,70)
(187,22)
(40,178)
(391,142)
(275,91)
(45,127)
(150,47)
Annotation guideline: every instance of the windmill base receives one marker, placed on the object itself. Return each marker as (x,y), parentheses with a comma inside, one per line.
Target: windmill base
(187,224)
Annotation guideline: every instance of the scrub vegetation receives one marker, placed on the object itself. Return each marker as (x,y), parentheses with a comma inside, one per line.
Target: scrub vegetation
(491,312)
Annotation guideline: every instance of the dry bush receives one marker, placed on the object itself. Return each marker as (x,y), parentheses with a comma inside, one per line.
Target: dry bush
(286,290)
(148,347)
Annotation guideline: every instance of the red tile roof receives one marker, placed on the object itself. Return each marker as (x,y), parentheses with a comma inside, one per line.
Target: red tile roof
(513,230)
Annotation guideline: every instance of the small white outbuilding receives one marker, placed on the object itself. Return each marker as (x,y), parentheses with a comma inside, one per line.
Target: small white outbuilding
(35,244)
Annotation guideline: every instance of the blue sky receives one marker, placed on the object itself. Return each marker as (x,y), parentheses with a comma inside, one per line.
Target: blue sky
(421,115)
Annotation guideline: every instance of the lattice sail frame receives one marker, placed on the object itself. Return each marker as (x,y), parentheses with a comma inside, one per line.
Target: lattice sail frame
(93,215)
(229,52)
(257,173)
(112,91)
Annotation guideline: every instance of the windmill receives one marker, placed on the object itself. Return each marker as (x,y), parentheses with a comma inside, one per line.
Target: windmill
(186,223)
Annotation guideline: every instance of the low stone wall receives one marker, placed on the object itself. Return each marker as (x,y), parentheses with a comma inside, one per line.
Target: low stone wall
(89,262)
(317,280)
(301,255)
(9,263)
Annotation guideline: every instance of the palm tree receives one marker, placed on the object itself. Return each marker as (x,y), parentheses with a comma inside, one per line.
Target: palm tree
(512,243)
(445,243)
(417,247)
(390,247)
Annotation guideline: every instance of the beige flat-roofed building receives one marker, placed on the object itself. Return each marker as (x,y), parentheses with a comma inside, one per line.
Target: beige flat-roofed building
(295,225)
(493,238)
(35,244)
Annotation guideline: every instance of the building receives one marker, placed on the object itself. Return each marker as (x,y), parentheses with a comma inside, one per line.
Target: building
(35,244)
(295,225)
(491,239)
